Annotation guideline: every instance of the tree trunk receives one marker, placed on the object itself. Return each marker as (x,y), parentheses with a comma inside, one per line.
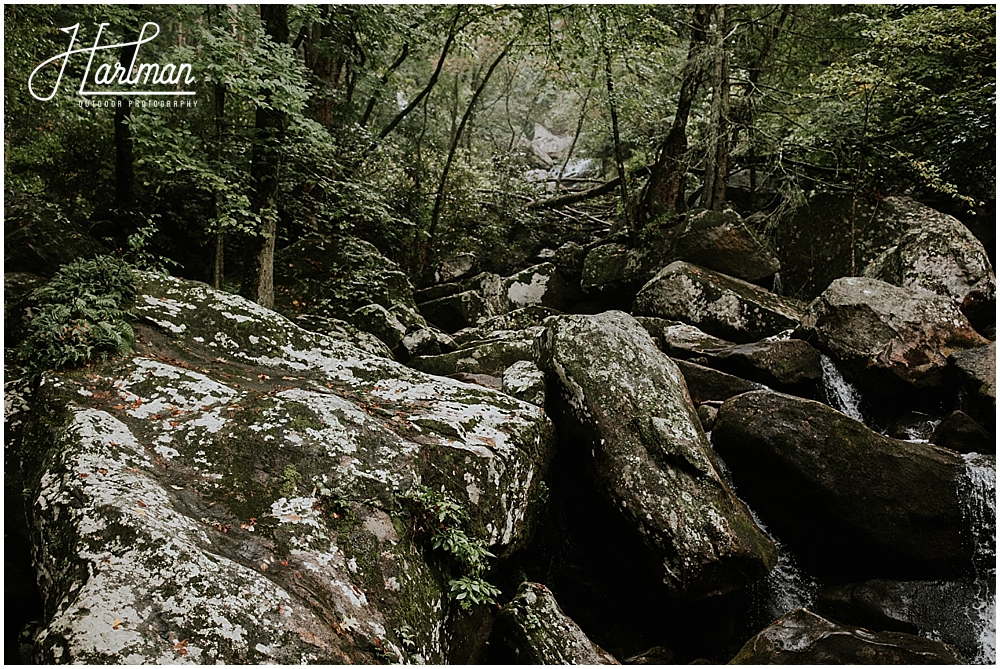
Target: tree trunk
(665,188)
(124,160)
(619,158)
(713,194)
(269,126)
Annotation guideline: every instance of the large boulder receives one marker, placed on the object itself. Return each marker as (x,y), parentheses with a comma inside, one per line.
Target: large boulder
(455,312)
(960,613)
(847,500)
(491,355)
(721,241)
(532,629)
(790,365)
(720,305)
(804,637)
(976,369)
(710,385)
(885,338)
(935,252)
(245,491)
(623,409)
(960,433)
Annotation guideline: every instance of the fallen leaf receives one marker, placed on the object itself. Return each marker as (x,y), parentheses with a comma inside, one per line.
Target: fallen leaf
(116,623)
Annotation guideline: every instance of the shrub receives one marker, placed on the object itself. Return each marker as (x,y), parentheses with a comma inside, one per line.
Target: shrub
(81,313)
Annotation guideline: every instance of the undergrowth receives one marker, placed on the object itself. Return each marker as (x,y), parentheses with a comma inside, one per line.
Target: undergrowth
(80,314)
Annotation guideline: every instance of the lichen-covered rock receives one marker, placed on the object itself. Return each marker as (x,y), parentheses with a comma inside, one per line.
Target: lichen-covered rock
(490,356)
(456,268)
(232,493)
(344,332)
(532,629)
(379,321)
(680,340)
(519,319)
(958,613)
(855,502)
(455,312)
(606,271)
(623,409)
(718,304)
(721,241)
(976,369)
(804,637)
(525,381)
(885,338)
(935,252)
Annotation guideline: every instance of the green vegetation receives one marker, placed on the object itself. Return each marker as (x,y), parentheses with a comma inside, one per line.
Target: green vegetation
(439,520)
(82,313)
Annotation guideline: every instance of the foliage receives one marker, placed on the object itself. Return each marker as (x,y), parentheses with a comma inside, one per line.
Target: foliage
(290,481)
(81,313)
(440,519)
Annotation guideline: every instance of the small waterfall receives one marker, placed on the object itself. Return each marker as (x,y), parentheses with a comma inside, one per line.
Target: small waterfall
(786,588)
(839,393)
(778,287)
(977,488)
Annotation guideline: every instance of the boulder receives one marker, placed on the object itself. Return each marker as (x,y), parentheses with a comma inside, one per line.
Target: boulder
(804,637)
(720,305)
(849,501)
(887,339)
(429,293)
(976,369)
(721,241)
(379,321)
(680,340)
(243,491)
(623,409)
(959,432)
(455,268)
(790,365)
(344,332)
(710,385)
(955,612)
(490,356)
(455,312)
(569,258)
(532,629)
(420,342)
(525,381)
(935,252)
(519,319)
(604,272)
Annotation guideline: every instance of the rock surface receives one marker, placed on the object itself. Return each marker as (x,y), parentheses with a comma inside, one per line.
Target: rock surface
(885,338)
(804,637)
(960,433)
(231,493)
(854,503)
(722,242)
(720,305)
(534,630)
(632,421)
(976,369)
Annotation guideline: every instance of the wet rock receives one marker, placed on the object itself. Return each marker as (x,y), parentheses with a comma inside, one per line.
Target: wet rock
(707,385)
(722,242)
(232,492)
(38,240)
(804,637)
(532,629)
(624,409)
(490,356)
(720,305)
(525,381)
(888,339)
(855,503)
(976,369)
(959,432)
(937,253)
(953,611)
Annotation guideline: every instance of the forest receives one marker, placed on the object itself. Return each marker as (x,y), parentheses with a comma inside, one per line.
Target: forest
(549,333)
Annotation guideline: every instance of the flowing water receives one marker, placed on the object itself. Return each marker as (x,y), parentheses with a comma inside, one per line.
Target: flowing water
(838,391)
(978,489)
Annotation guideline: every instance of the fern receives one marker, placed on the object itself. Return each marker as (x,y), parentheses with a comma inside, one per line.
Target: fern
(79,315)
